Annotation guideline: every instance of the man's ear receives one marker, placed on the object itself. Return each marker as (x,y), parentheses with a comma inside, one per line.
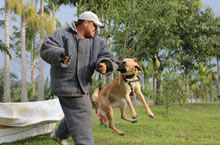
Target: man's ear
(85,23)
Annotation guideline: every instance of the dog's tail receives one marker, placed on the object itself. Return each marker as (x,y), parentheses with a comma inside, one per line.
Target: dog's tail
(95,95)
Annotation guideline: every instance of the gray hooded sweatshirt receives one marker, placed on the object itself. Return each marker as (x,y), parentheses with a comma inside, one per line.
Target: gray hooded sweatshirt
(75,77)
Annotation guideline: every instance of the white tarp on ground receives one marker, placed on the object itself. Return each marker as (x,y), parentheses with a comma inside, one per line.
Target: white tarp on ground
(28,119)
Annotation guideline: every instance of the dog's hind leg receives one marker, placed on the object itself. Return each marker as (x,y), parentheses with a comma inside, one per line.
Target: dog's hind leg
(123,114)
(109,114)
(103,119)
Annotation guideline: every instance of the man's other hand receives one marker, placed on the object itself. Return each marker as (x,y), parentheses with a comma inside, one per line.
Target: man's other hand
(65,58)
(102,68)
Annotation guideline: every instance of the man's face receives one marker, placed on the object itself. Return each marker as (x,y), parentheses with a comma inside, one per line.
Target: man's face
(91,30)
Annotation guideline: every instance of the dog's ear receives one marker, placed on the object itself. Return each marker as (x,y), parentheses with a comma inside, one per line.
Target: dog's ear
(135,59)
(138,68)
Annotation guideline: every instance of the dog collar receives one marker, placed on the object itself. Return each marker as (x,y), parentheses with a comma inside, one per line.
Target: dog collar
(125,78)
(129,82)
(129,76)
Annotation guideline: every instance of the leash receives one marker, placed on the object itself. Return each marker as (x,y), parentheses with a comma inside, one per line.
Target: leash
(101,117)
(125,78)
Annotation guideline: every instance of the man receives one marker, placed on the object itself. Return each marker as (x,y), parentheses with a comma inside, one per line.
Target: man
(74,53)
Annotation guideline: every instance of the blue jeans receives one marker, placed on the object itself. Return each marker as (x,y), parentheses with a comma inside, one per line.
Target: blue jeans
(78,120)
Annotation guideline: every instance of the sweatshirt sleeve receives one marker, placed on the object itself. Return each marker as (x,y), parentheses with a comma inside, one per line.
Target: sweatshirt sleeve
(52,48)
(106,57)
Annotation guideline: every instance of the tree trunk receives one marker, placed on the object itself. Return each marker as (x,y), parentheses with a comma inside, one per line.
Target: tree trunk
(110,77)
(23,60)
(158,92)
(142,81)
(79,7)
(33,61)
(54,19)
(7,92)
(32,68)
(187,86)
(41,80)
(218,79)
(160,87)
(41,64)
(211,94)
(210,88)
(154,86)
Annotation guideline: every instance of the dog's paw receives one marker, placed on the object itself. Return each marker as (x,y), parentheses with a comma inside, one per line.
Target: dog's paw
(121,133)
(103,123)
(134,117)
(151,115)
(135,121)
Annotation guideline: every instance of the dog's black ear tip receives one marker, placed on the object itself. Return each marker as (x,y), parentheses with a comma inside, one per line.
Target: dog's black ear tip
(139,69)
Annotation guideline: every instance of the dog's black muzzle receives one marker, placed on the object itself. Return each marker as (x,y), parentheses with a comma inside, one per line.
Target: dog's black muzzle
(121,66)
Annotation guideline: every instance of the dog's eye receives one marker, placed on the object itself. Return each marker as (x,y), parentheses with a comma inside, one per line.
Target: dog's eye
(123,62)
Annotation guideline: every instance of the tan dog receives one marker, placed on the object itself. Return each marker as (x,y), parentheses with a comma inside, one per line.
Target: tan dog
(117,93)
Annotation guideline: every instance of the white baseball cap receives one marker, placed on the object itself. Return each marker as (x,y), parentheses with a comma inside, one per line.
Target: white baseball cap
(90,16)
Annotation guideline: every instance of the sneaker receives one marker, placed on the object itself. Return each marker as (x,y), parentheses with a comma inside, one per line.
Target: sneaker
(57,139)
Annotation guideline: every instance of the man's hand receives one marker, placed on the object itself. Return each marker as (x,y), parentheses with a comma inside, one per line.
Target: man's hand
(102,68)
(65,58)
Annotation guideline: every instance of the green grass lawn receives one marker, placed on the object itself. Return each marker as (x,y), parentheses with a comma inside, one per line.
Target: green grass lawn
(190,124)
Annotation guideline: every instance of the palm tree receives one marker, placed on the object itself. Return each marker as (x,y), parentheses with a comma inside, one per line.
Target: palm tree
(41,62)
(3,47)
(53,5)
(12,78)
(24,97)
(33,25)
(6,94)
(18,7)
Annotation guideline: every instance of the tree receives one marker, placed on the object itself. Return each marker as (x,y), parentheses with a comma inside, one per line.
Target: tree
(218,66)
(41,62)
(24,97)
(19,8)
(32,29)
(53,6)
(13,77)
(3,47)
(216,52)
(202,82)
(6,92)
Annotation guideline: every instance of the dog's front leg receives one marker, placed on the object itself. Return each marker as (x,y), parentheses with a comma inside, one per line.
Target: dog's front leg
(141,97)
(128,100)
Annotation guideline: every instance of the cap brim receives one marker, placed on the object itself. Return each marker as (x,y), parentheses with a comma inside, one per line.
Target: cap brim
(99,24)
